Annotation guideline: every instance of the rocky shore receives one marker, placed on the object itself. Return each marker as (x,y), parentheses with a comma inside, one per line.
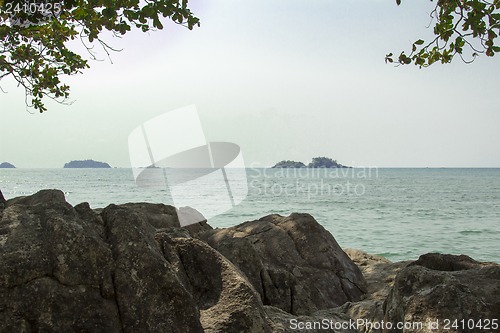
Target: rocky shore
(132,268)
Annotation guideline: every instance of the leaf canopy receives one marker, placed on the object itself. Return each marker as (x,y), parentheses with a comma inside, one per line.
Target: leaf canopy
(463,28)
(34,35)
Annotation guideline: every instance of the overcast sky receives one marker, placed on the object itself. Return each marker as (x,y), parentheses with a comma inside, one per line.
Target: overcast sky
(284,79)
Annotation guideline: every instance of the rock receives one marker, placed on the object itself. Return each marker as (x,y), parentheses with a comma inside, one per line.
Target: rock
(293,262)
(164,216)
(444,288)
(119,271)
(447,262)
(148,292)
(87,164)
(43,197)
(56,270)
(65,268)
(2,200)
(6,165)
(132,268)
(379,273)
(227,301)
(331,320)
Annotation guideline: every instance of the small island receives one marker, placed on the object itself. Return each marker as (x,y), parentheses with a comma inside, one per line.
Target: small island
(317,162)
(289,164)
(7,165)
(87,164)
(325,162)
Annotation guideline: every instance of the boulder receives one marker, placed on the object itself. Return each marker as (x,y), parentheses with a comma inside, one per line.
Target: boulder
(293,262)
(445,293)
(2,200)
(65,268)
(166,217)
(130,268)
(56,270)
(324,321)
(227,302)
(379,273)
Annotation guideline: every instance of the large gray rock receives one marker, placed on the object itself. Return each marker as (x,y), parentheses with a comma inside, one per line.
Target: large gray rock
(131,268)
(68,269)
(441,289)
(226,300)
(56,269)
(293,262)
(2,200)
(380,274)
(150,296)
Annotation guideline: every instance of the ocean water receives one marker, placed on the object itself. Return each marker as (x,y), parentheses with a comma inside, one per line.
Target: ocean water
(397,213)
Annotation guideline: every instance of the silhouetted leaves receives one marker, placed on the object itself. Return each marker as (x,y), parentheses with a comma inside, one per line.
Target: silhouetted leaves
(465,28)
(33,39)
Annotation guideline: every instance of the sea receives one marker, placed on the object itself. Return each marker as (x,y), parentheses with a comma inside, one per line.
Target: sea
(396,213)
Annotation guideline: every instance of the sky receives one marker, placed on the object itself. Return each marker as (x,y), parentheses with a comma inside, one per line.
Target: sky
(283,80)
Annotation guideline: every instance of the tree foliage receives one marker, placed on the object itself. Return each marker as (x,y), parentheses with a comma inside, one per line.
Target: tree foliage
(463,28)
(34,36)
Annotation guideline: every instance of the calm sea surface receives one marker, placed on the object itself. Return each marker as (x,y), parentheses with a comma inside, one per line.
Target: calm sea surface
(398,213)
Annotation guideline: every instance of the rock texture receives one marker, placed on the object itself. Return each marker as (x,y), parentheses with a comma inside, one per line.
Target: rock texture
(2,200)
(380,274)
(324,321)
(444,288)
(131,268)
(295,264)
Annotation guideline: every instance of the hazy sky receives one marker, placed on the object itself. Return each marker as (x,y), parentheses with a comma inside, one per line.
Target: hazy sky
(284,79)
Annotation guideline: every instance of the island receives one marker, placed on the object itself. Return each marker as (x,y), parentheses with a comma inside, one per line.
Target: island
(87,164)
(317,162)
(325,162)
(289,164)
(7,165)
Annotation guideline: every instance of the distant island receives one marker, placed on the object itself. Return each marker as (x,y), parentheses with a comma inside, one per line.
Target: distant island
(317,162)
(87,164)
(289,164)
(7,165)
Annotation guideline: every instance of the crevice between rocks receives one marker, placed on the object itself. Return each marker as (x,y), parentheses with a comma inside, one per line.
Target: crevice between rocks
(52,277)
(361,290)
(116,300)
(257,233)
(113,270)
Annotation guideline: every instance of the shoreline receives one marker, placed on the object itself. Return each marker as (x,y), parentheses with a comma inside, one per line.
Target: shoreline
(357,222)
